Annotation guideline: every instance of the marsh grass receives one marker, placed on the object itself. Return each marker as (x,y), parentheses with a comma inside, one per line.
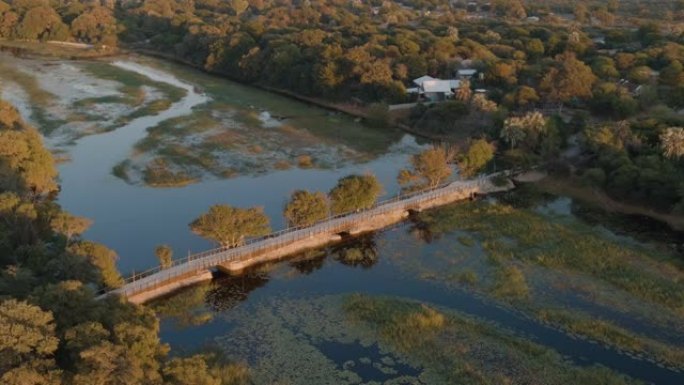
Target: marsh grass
(109,99)
(305,161)
(121,170)
(456,349)
(511,283)
(613,335)
(159,174)
(132,82)
(184,156)
(466,241)
(39,98)
(467,277)
(512,234)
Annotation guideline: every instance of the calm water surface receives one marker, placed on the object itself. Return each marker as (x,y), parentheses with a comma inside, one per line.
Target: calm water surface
(134,219)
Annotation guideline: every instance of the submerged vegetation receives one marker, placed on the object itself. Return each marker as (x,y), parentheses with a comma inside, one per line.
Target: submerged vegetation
(534,239)
(362,339)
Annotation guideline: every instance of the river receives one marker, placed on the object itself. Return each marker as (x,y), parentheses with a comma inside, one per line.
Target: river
(134,219)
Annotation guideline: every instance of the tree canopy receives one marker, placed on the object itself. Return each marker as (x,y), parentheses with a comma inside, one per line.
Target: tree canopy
(229,226)
(306,208)
(354,192)
(428,168)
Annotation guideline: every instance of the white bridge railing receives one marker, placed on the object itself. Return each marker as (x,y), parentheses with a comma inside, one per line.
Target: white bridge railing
(340,223)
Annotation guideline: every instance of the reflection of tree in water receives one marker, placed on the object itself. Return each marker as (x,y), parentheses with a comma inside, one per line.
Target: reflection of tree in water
(361,251)
(420,230)
(186,307)
(309,261)
(228,292)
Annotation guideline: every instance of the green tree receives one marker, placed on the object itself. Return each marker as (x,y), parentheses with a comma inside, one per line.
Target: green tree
(27,344)
(568,78)
(228,226)
(479,154)
(100,257)
(306,208)
(354,192)
(69,225)
(525,129)
(189,371)
(428,168)
(42,23)
(165,255)
(97,26)
(535,48)
(581,13)
(239,6)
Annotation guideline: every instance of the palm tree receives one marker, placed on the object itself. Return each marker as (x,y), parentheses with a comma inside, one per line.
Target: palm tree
(672,142)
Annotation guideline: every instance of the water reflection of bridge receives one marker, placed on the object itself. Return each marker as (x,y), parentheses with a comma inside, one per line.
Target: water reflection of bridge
(199,267)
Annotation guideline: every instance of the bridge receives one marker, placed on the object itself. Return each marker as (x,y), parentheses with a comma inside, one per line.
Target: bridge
(199,267)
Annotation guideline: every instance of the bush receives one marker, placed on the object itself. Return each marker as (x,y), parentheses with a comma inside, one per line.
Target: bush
(594,177)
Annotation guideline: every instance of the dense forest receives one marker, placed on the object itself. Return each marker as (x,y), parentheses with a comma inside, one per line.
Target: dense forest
(52,329)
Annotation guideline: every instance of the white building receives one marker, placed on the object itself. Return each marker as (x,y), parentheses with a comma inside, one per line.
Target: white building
(434,89)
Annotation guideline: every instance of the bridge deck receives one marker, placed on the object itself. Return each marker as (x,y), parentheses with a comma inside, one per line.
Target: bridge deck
(198,267)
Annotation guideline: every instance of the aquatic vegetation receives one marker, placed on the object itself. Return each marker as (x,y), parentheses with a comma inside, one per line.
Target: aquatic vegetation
(511,283)
(577,247)
(40,99)
(132,82)
(606,332)
(350,339)
(121,170)
(159,174)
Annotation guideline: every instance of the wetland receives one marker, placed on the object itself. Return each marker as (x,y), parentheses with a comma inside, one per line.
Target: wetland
(524,287)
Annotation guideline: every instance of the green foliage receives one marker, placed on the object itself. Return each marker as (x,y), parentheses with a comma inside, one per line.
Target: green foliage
(479,154)
(611,334)
(354,192)
(102,258)
(455,349)
(569,78)
(554,245)
(189,371)
(228,226)
(306,208)
(511,284)
(27,344)
(25,165)
(63,334)
(165,255)
(428,168)
(594,177)
(69,225)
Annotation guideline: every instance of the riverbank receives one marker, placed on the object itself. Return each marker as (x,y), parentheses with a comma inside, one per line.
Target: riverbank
(353,110)
(595,197)
(57,50)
